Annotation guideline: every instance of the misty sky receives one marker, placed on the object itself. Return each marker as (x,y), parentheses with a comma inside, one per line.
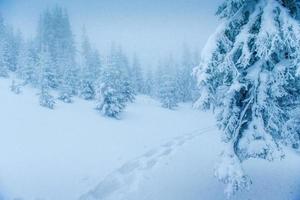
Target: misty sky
(152,28)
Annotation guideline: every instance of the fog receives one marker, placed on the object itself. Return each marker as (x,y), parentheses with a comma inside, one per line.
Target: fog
(150,28)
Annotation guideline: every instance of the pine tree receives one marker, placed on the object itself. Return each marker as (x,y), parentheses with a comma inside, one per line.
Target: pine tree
(110,99)
(9,48)
(148,87)
(158,74)
(87,90)
(114,90)
(27,69)
(3,49)
(187,84)
(45,79)
(110,102)
(248,75)
(168,92)
(69,83)
(127,85)
(166,85)
(13,48)
(55,34)
(96,66)
(3,66)
(137,75)
(90,69)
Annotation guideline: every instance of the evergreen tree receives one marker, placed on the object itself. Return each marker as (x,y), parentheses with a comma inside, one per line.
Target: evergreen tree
(9,48)
(55,34)
(137,75)
(13,48)
(45,66)
(3,49)
(166,83)
(90,69)
(96,65)
(167,92)
(69,83)
(27,69)
(110,99)
(87,90)
(127,85)
(159,72)
(187,84)
(148,87)
(248,74)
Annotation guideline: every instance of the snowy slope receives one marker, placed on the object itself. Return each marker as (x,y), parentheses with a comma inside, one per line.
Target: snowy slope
(152,153)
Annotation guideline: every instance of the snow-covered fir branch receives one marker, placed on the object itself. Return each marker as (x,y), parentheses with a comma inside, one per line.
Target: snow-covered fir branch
(248,73)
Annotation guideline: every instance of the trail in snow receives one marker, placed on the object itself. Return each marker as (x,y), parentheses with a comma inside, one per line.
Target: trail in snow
(126,179)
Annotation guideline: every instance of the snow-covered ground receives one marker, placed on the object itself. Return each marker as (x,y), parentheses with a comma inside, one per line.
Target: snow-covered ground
(152,153)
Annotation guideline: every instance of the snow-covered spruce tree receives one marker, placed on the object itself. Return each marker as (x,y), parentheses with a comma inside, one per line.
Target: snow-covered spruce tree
(137,75)
(109,101)
(166,83)
(148,87)
(168,92)
(87,90)
(127,85)
(158,74)
(55,34)
(3,66)
(3,49)
(69,82)
(14,44)
(27,69)
(9,48)
(45,67)
(90,69)
(248,76)
(110,91)
(67,67)
(186,82)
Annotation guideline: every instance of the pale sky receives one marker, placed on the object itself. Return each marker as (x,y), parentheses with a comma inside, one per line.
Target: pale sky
(151,28)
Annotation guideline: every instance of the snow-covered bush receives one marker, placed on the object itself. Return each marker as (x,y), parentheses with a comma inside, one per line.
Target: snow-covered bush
(65,97)
(248,74)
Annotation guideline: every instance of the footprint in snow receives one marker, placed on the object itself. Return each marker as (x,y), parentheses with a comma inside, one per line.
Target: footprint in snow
(150,153)
(126,179)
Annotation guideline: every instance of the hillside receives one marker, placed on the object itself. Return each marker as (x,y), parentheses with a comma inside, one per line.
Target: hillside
(151,153)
